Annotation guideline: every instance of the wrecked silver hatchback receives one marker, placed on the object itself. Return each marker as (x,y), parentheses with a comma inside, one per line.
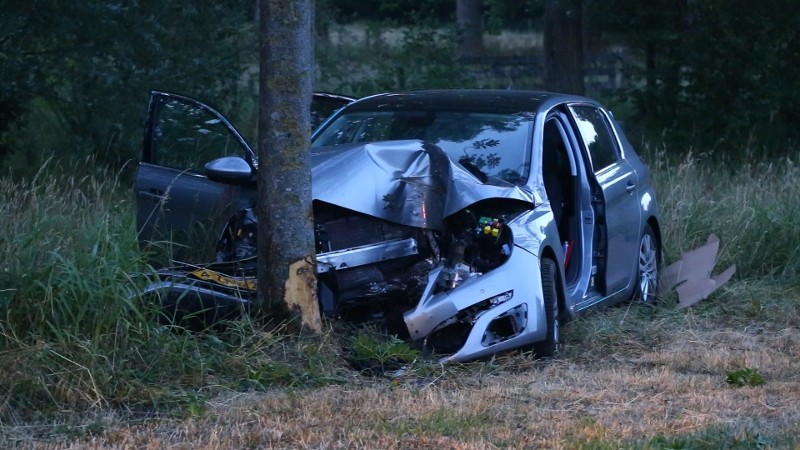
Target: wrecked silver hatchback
(469,221)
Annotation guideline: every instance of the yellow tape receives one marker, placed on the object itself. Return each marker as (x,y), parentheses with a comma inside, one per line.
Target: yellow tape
(240,282)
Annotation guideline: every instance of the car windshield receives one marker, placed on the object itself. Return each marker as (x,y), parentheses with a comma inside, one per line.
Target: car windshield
(492,144)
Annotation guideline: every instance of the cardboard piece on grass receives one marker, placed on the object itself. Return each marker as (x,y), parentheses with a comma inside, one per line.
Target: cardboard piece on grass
(691,292)
(692,274)
(694,265)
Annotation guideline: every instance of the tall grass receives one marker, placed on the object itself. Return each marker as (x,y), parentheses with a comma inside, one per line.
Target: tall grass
(67,321)
(70,245)
(73,337)
(751,205)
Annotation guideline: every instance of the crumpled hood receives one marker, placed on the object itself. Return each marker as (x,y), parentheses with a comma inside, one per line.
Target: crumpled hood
(408,182)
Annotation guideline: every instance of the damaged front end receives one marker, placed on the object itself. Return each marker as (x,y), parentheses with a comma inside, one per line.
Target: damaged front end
(405,238)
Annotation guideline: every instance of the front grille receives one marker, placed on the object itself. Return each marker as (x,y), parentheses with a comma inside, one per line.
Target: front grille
(356,230)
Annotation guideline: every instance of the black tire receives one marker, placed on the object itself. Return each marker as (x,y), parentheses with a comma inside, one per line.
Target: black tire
(549,345)
(649,258)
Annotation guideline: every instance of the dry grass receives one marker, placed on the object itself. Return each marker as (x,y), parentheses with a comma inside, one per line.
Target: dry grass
(629,377)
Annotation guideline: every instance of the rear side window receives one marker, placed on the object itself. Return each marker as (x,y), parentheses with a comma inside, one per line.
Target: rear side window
(597,136)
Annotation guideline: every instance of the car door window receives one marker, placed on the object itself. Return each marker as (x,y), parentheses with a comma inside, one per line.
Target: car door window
(324,105)
(596,135)
(187,135)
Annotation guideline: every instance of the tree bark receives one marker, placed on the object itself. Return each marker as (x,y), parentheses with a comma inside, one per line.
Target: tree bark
(470,23)
(563,46)
(287,282)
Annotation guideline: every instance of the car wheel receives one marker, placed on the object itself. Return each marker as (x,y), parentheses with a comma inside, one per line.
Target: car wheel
(549,345)
(647,269)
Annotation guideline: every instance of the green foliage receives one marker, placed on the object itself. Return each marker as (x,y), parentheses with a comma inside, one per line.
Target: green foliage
(741,58)
(706,74)
(73,247)
(79,73)
(76,75)
(72,334)
(391,57)
(195,405)
(522,14)
(744,377)
(377,352)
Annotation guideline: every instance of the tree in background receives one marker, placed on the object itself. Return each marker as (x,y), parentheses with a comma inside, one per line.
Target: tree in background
(715,72)
(469,14)
(286,265)
(563,46)
(653,34)
(76,75)
(740,74)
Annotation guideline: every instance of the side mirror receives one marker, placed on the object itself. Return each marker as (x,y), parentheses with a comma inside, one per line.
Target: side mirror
(229,169)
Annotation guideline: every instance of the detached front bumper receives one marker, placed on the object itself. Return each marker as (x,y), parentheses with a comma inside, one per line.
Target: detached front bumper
(503,308)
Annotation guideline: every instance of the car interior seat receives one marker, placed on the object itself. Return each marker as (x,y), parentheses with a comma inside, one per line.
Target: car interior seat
(553,172)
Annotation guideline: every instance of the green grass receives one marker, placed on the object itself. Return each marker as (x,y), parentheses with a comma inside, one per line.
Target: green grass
(711,438)
(72,335)
(72,340)
(374,352)
(751,206)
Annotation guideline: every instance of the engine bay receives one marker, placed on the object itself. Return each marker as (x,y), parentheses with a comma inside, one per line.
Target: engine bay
(372,270)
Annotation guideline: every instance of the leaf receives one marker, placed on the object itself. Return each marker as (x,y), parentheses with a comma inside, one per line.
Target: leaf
(744,377)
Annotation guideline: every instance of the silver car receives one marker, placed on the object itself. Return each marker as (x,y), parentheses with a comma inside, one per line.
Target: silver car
(469,221)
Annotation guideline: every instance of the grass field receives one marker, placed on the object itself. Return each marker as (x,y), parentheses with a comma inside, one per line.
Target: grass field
(79,368)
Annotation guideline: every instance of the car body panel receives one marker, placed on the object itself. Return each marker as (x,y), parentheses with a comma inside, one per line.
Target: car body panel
(186,209)
(618,184)
(407,182)
(433,211)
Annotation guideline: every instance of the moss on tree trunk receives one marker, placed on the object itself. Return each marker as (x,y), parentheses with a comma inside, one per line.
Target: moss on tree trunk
(287,273)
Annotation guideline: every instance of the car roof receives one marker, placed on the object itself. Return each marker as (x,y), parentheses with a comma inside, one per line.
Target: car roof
(483,100)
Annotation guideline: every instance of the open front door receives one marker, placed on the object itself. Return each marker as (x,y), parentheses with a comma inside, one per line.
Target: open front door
(176,200)
(323,105)
(179,200)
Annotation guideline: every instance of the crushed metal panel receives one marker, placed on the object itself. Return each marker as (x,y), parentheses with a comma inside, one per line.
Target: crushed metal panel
(403,182)
(409,182)
(366,254)
(691,275)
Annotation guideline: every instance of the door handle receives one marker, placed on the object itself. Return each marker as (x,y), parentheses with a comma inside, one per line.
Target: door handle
(630,187)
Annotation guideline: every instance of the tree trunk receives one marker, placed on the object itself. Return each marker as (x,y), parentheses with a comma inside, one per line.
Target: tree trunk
(563,46)
(287,281)
(470,24)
